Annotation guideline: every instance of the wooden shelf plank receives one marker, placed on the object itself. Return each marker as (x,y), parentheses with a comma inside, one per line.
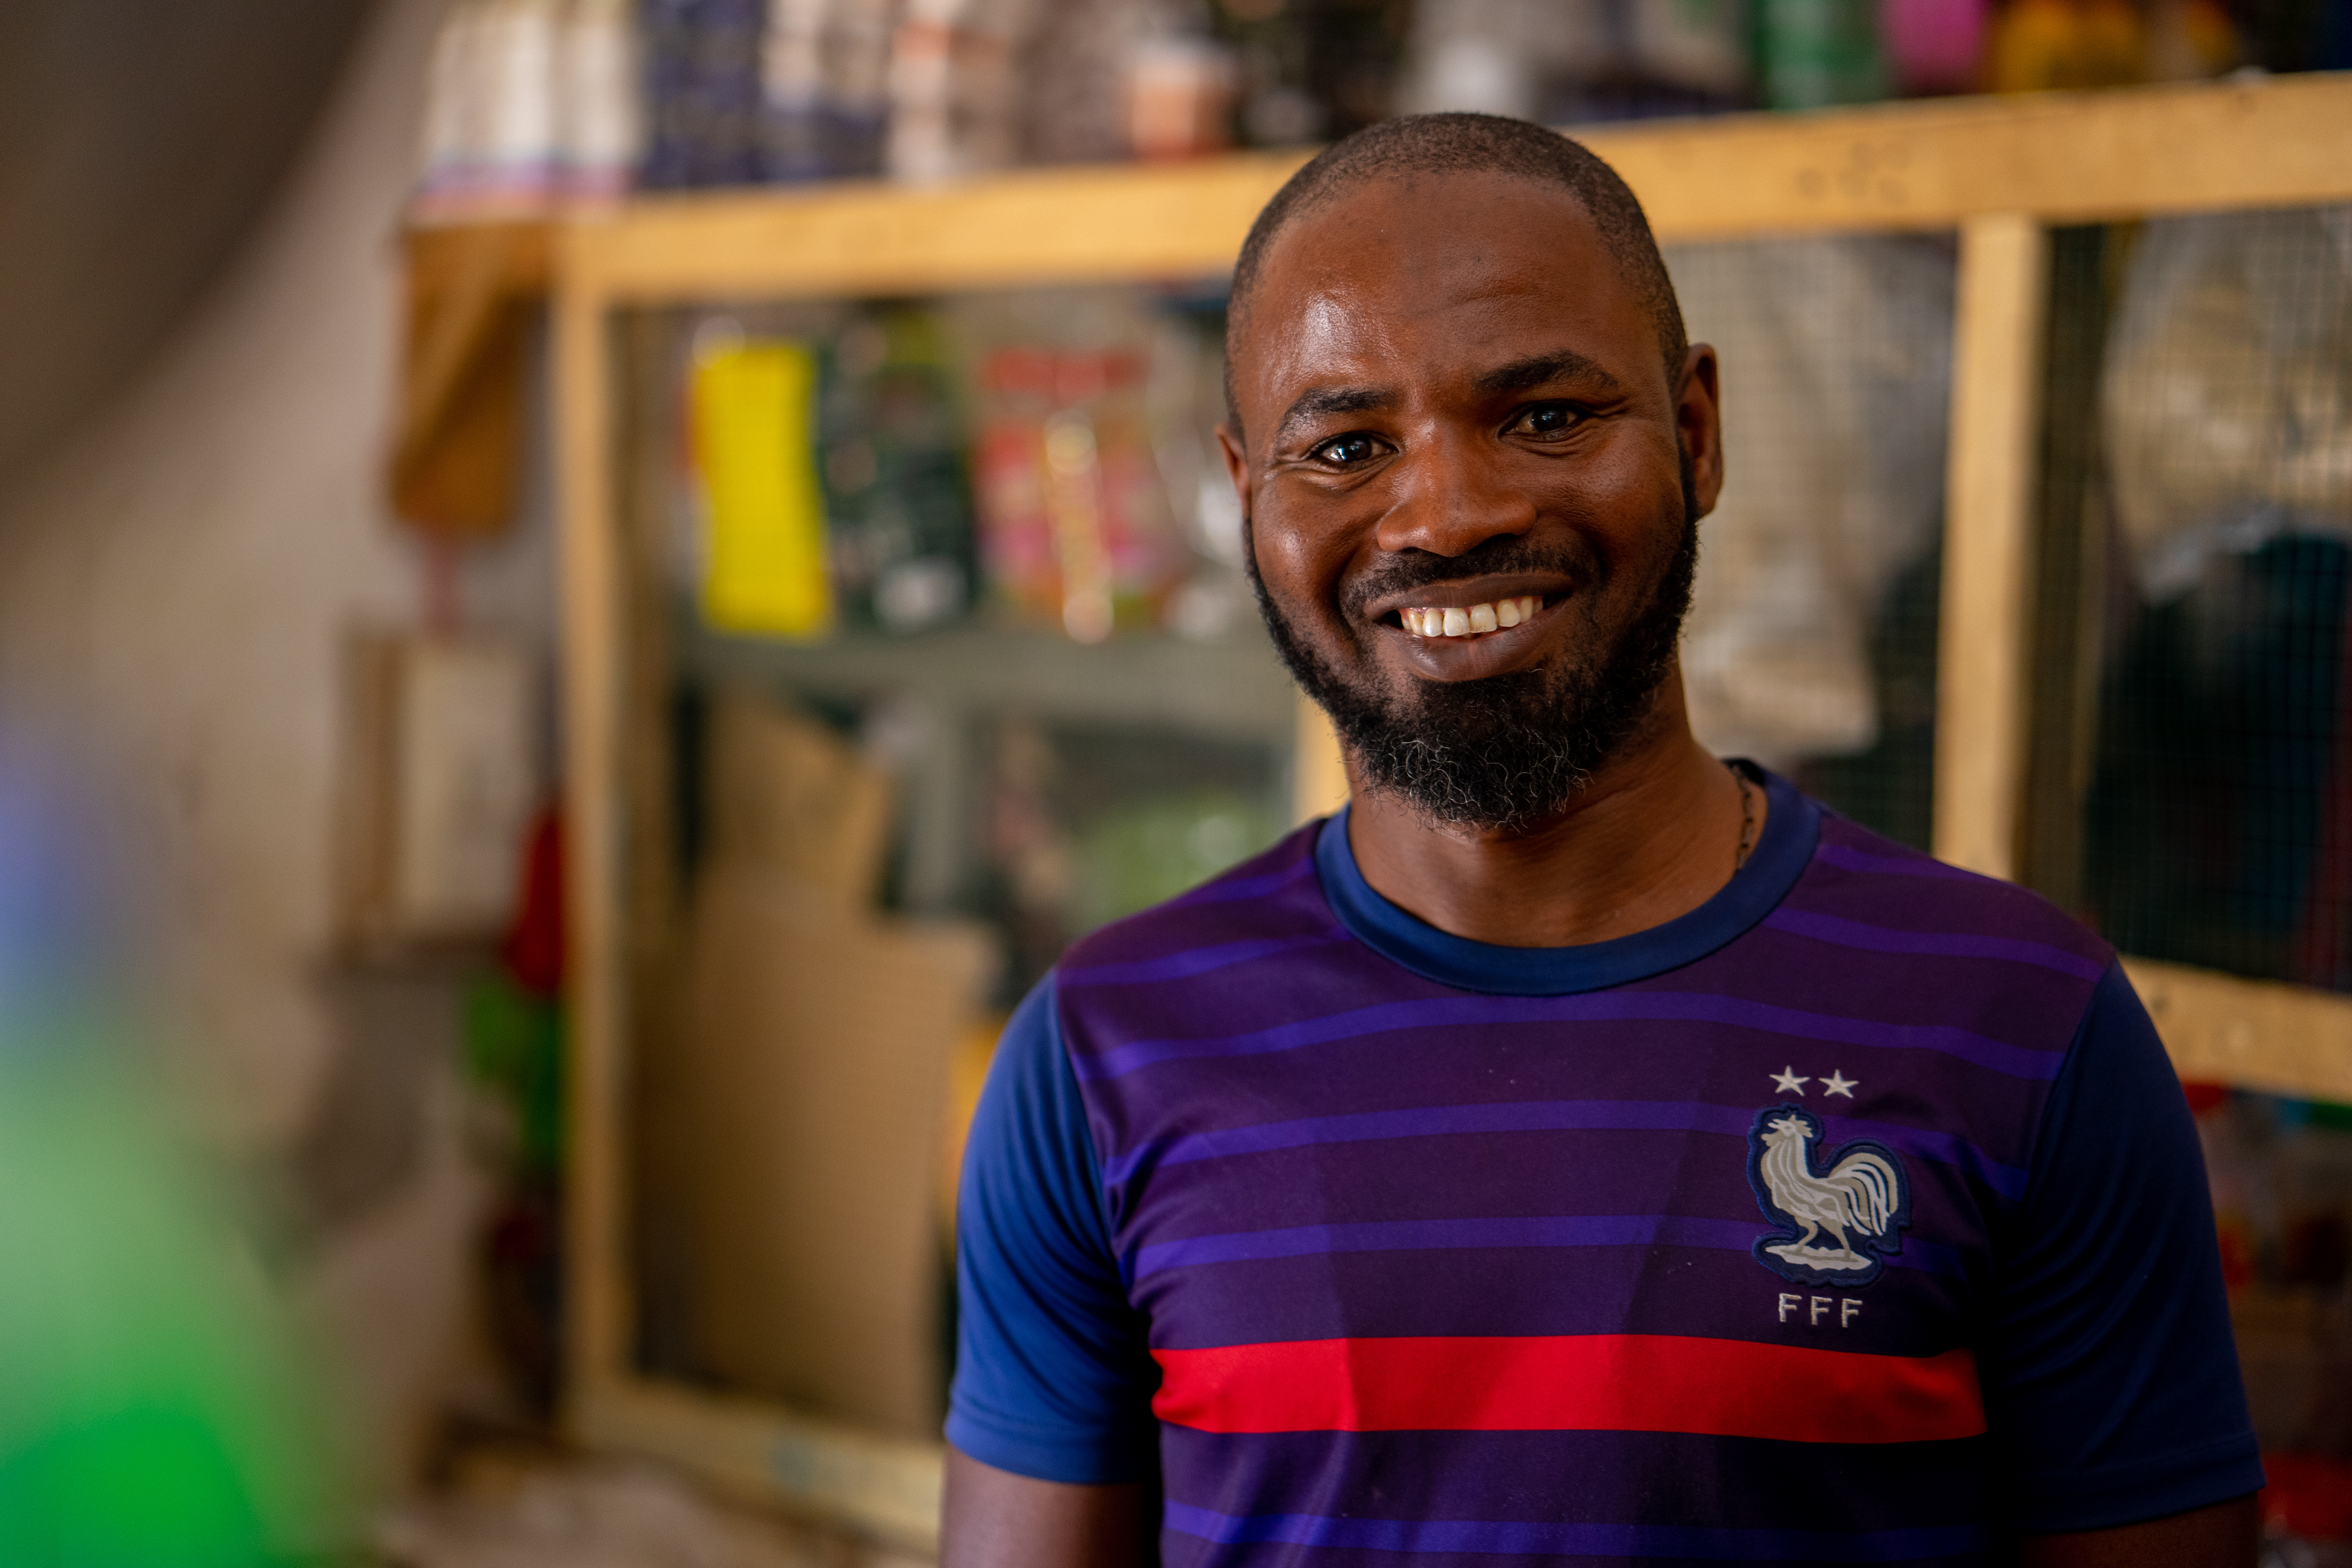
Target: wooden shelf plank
(2058,157)
(1036,226)
(2260,1035)
(520,254)
(1235,689)
(1894,167)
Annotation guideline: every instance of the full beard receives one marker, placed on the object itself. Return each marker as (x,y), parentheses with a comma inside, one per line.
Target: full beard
(1508,753)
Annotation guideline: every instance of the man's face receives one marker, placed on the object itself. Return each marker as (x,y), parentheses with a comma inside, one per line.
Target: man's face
(1454,409)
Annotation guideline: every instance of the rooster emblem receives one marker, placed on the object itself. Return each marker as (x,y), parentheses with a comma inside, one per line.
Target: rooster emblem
(1838,1224)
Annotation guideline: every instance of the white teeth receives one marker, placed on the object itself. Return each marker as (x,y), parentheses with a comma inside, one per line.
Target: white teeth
(1473,622)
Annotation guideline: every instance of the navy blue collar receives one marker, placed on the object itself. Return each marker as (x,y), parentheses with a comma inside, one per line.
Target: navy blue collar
(1791,825)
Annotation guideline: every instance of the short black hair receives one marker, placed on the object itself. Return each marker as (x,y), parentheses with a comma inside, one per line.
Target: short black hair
(1469,143)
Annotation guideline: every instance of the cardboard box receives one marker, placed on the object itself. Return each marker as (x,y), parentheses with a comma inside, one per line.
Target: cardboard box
(813,1073)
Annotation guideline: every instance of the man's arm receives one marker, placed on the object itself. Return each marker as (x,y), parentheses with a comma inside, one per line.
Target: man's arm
(2110,1377)
(1053,1457)
(2225,1535)
(994,1518)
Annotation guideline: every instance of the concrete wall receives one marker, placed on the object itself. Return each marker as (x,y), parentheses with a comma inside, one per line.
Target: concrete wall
(174,587)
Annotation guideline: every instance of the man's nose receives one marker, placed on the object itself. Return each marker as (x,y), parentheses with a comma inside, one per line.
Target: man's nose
(1452,496)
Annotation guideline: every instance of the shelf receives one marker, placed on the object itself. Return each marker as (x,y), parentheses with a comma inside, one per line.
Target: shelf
(514,257)
(1931,163)
(1234,687)
(1998,166)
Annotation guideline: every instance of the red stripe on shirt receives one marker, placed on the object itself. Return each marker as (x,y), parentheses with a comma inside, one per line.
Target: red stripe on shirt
(1583,1382)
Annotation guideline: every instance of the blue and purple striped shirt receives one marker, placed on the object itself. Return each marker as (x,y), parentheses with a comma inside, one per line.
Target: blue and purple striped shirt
(1855,1216)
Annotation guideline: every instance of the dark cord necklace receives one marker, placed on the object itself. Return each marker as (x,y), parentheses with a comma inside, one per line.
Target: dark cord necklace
(1747,818)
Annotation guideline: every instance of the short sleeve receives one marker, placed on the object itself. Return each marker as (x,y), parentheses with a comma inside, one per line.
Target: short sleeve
(1053,1376)
(2110,1375)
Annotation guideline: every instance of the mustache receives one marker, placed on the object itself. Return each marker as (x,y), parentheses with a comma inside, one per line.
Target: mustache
(1494,557)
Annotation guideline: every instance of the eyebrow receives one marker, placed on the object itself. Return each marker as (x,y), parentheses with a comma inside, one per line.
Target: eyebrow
(1322,401)
(1534,371)
(1519,375)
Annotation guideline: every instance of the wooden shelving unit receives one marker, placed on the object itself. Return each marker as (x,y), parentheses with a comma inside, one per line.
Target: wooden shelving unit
(2001,172)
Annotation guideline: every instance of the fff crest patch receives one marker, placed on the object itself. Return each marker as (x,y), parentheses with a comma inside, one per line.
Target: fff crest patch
(1840,1218)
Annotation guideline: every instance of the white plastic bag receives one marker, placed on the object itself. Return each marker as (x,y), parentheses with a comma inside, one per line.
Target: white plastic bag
(1836,362)
(2229,387)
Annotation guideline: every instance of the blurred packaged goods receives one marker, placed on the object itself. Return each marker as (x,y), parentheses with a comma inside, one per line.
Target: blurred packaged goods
(1586,60)
(2189,40)
(894,466)
(955,87)
(534,104)
(825,88)
(1145,852)
(2038,45)
(2281,1178)
(514,1048)
(1811,54)
(754,415)
(530,106)
(1180,93)
(1076,69)
(1075,526)
(703,92)
(1933,45)
(1492,57)
(1089,824)
(897,510)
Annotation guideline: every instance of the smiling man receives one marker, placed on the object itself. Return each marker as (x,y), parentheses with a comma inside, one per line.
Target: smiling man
(1581,1150)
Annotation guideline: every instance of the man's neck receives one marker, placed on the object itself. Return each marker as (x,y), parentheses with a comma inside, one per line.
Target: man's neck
(1655,835)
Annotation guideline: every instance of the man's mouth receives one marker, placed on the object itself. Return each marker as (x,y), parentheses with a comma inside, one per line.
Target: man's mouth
(1469,620)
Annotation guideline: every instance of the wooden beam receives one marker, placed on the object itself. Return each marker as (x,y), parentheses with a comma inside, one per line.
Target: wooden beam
(2060,157)
(2256,1033)
(452,255)
(1027,228)
(597,1294)
(1984,636)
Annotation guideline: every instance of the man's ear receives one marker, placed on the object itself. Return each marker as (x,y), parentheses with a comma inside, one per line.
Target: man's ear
(1229,444)
(1698,423)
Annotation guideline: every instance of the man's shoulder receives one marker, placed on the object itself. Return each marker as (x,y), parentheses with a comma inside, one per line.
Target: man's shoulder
(1864,877)
(1267,897)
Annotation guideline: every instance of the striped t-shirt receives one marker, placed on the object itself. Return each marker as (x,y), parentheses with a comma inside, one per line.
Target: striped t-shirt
(1854,1216)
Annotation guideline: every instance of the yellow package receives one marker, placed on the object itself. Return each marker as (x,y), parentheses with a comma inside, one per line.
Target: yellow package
(755,448)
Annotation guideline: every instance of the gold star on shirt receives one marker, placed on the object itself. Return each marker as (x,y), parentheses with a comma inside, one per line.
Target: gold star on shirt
(1837,1083)
(1787,1082)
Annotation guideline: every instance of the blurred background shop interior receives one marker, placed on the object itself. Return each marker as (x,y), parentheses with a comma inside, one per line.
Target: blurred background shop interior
(930,651)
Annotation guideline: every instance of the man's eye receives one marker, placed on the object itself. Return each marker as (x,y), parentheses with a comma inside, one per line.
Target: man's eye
(1346,451)
(1550,419)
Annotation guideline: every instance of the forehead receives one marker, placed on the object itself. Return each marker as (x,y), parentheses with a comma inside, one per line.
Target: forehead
(1437,267)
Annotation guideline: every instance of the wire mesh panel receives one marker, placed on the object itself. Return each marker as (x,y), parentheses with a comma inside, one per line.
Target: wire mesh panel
(2215,558)
(1812,641)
